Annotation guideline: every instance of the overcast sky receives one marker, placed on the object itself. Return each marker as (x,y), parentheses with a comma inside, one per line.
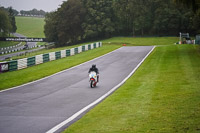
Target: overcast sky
(46,5)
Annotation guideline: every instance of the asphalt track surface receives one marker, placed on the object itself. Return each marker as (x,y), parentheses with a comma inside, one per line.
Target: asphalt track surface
(39,106)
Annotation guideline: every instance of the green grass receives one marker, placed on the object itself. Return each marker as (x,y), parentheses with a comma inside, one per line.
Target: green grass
(7,44)
(11,79)
(135,41)
(30,26)
(42,43)
(162,96)
(116,41)
(46,51)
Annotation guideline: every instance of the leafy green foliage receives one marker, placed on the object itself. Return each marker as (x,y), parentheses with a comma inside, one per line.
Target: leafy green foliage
(64,25)
(5,24)
(106,18)
(194,4)
(50,30)
(12,20)
(69,29)
(99,19)
(7,21)
(33,12)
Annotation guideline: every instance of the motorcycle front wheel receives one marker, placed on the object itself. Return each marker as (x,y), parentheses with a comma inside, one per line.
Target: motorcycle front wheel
(92,83)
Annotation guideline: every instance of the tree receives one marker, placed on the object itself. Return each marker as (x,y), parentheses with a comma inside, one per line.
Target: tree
(78,20)
(12,19)
(194,4)
(124,16)
(167,18)
(142,16)
(64,25)
(98,22)
(70,17)
(33,12)
(134,16)
(50,27)
(5,25)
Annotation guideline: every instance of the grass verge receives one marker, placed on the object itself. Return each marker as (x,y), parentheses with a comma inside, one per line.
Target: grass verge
(30,26)
(142,41)
(162,96)
(130,41)
(15,78)
(7,44)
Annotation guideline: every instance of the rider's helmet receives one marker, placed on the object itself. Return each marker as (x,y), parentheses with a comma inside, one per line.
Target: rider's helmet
(93,66)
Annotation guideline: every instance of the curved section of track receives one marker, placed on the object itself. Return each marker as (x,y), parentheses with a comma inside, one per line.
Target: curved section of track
(30,45)
(41,105)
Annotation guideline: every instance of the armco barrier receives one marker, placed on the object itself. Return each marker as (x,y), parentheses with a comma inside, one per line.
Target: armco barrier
(22,63)
(12,65)
(68,52)
(89,47)
(58,55)
(95,45)
(75,50)
(4,67)
(63,53)
(52,56)
(92,46)
(45,58)
(31,61)
(42,58)
(86,47)
(79,49)
(72,51)
(83,48)
(39,59)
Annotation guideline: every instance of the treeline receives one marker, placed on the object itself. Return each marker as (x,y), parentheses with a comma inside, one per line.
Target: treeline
(33,12)
(7,21)
(81,20)
(15,12)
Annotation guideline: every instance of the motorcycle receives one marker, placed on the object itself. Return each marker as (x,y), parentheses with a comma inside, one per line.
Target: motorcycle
(93,79)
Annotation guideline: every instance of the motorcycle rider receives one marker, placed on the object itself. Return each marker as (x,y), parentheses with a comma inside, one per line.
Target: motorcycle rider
(94,69)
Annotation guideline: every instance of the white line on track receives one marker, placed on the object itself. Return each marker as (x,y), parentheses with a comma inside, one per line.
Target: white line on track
(57,127)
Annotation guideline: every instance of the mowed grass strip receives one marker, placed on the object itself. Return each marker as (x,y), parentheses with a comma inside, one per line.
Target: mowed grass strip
(7,44)
(15,78)
(142,41)
(30,26)
(130,41)
(162,96)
